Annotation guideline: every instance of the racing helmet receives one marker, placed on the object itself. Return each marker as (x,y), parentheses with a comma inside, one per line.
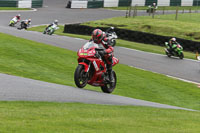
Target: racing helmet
(56,21)
(173,39)
(18,16)
(97,35)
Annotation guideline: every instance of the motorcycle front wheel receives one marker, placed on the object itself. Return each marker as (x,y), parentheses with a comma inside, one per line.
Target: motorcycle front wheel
(113,43)
(11,24)
(181,56)
(109,87)
(80,77)
(167,53)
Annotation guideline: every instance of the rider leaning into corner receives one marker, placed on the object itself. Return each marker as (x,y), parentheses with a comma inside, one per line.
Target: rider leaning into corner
(54,23)
(17,18)
(27,23)
(100,38)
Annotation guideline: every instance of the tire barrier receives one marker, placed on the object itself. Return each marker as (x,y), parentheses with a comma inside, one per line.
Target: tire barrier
(134,36)
(20,3)
(120,3)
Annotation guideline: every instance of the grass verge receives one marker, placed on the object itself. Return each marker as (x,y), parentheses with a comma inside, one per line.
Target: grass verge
(34,60)
(122,43)
(73,117)
(186,27)
(13,8)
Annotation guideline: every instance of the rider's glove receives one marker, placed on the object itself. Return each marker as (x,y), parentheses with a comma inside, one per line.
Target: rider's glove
(97,55)
(102,53)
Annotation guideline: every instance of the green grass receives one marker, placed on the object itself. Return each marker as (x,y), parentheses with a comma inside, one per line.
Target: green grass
(38,61)
(40,117)
(159,8)
(13,8)
(122,43)
(187,26)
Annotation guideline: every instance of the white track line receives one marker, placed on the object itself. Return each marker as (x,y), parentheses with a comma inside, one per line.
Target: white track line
(156,53)
(169,76)
(32,10)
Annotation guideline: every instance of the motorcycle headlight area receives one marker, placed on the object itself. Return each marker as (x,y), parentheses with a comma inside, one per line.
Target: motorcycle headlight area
(83,54)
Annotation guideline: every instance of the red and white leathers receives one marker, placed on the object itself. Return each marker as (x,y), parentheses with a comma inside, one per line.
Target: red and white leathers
(16,19)
(107,54)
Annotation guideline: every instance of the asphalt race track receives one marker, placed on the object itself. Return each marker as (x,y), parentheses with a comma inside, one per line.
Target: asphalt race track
(17,88)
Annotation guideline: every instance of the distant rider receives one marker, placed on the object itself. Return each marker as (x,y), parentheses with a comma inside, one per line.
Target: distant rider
(17,18)
(153,7)
(54,24)
(26,23)
(173,44)
(100,38)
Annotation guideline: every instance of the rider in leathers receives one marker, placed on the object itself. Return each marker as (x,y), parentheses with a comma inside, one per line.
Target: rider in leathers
(16,19)
(99,37)
(173,44)
(54,23)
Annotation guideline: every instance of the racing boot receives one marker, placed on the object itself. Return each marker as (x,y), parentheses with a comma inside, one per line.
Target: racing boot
(110,75)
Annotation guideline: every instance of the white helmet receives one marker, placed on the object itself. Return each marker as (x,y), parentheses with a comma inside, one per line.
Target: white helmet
(56,21)
(173,39)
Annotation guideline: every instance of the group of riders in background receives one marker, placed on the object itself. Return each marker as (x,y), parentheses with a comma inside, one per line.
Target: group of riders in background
(24,23)
(50,29)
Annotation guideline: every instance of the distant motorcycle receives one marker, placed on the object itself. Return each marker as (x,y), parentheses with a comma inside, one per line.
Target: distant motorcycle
(12,23)
(92,70)
(111,36)
(177,50)
(50,30)
(151,10)
(24,24)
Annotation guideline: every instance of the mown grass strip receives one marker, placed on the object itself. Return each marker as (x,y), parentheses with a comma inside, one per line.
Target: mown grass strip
(122,43)
(186,27)
(34,60)
(73,117)
(13,8)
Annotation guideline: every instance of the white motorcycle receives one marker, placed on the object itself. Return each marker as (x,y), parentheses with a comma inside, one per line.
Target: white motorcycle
(51,29)
(111,35)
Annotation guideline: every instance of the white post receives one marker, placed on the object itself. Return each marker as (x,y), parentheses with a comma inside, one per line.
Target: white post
(24,3)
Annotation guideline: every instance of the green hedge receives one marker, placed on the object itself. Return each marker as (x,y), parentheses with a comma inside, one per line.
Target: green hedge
(175,3)
(95,3)
(150,2)
(196,3)
(124,2)
(8,3)
(37,3)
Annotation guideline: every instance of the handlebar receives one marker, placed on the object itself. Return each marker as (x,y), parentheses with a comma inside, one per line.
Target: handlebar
(99,49)
(109,29)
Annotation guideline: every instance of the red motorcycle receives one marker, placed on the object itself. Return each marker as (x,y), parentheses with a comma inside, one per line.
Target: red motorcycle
(91,69)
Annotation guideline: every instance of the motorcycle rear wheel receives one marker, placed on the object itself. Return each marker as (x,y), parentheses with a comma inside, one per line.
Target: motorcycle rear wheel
(80,77)
(109,87)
